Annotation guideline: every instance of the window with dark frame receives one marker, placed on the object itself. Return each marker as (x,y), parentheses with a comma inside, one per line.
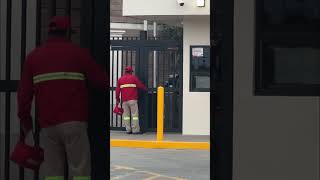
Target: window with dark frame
(287,60)
(199,68)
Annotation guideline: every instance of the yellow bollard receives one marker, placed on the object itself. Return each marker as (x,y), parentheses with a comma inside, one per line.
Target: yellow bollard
(160,113)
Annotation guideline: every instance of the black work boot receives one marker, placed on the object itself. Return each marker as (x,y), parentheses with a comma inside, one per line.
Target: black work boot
(129,132)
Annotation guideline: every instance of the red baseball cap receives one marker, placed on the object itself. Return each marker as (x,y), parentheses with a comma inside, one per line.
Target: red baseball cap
(60,23)
(129,69)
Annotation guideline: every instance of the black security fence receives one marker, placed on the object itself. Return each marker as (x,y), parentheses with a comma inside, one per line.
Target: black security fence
(23,26)
(157,63)
(119,59)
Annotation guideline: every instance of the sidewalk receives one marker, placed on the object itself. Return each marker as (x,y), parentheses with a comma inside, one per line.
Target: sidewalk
(170,141)
(151,136)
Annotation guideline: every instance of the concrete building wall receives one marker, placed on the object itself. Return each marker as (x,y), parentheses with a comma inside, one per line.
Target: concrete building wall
(163,7)
(274,137)
(196,105)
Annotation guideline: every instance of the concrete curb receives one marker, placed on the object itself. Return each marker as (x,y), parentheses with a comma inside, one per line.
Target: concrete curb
(159,144)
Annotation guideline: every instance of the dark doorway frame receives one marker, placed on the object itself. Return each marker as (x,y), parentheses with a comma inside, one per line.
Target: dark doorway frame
(221,136)
(94,15)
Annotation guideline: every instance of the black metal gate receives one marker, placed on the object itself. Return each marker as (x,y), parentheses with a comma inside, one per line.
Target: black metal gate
(93,16)
(8,89)
(156,62)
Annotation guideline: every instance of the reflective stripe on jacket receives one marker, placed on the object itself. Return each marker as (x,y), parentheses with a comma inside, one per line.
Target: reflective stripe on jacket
(128,86)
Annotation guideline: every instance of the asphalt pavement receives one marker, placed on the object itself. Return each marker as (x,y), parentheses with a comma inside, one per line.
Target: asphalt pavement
(159,164)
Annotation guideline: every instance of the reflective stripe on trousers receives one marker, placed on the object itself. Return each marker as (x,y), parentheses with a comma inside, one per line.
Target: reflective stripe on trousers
(126,118)
(130,109)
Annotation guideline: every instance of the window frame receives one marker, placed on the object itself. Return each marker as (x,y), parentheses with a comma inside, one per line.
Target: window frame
(280,36)
(192,82)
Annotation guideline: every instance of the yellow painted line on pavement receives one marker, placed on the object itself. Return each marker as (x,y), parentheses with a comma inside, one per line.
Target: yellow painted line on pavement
(159,144)
(137,171)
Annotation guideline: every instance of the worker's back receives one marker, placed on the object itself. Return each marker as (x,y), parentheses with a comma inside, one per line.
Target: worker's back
(59,69)
(129,85)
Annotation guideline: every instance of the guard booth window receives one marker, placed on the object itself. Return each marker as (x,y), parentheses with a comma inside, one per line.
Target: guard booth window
(200,68)
(287,47)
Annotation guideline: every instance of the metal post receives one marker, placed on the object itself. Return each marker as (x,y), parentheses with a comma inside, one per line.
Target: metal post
(143,35)
(160,113)
(38,42)
(145,25)
(22,57)
(38,23)
(68,13)
(154,56)
(52,7)
(8,94)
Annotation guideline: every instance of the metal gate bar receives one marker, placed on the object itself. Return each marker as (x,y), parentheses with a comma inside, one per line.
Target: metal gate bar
(22,56)
(111,90)
(7,94)
(117,79)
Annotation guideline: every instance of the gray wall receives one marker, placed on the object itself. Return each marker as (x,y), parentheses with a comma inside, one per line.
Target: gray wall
(274,137)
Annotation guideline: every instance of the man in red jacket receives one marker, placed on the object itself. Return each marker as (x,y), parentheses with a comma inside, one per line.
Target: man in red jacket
(56,73)
(128,86)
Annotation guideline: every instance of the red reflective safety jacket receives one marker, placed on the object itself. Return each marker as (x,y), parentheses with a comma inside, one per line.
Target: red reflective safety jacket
(56,75)
(128,86)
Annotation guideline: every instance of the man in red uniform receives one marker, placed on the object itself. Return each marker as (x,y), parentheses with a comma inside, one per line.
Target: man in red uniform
(128,86)
(56,73)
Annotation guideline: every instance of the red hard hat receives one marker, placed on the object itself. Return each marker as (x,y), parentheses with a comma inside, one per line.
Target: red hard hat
(27,156)
(129,69)
(118,110)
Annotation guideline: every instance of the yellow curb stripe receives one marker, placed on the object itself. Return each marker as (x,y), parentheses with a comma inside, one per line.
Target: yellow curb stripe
(159,144)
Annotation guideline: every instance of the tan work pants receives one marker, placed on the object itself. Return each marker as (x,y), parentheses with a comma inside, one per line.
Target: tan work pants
(68,140)
(130,109)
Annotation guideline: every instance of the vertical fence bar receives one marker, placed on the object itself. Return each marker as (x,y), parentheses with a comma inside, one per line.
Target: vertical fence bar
(117,71)
(22,57)
(38,23)
(8,94)
(158,68)
(131,59)
(163,66)
(66,167)
(127,59)
(170,76)
(121,73)
(164,74)
(38,42)
(68,13)
(152,87)
(68,8)
(52,7)
(112,84)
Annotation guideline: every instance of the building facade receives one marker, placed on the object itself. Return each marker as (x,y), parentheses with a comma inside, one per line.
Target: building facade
(195,22)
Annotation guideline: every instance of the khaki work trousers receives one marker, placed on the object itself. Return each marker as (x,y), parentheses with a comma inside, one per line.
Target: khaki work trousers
(66,141)
(130,109)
